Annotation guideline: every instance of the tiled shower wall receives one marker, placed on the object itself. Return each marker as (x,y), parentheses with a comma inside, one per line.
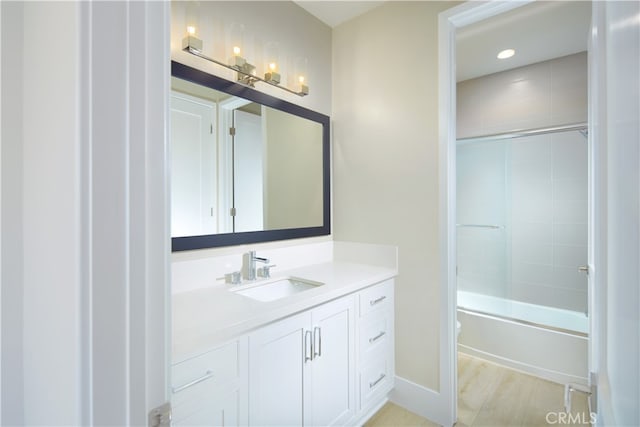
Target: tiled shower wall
(539,95)
(533,188)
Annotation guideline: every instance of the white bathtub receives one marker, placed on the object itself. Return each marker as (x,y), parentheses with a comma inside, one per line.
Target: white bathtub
(547,342)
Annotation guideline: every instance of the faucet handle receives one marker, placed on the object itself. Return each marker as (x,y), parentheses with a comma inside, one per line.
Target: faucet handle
(265,272)
(233,278)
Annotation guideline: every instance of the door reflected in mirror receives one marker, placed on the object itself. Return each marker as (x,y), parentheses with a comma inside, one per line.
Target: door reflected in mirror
(239,166)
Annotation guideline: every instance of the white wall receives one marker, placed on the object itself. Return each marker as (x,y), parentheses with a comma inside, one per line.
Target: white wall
(12,245)
(83,287)
(51,217)
(41,348)
(0,216)
(617,124)
(386,162)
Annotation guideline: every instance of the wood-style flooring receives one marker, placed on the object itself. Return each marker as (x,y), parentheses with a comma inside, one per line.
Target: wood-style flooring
(393,415)
(491,395)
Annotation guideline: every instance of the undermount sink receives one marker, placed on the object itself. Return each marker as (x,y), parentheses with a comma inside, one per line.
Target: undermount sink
(276,288)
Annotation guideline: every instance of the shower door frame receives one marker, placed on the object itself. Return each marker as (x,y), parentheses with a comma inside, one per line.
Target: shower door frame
(449,22)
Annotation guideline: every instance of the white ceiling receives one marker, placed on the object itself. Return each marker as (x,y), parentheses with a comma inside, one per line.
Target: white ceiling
(538,31)
(334,13)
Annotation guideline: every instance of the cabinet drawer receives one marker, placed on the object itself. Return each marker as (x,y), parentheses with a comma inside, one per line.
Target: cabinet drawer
(376,298)
(214,367)
(376,379)
(375,333)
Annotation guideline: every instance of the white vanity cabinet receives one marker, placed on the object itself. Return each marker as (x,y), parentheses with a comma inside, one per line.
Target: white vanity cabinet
(211,389)
(329,365)
(302,368)
(376,370)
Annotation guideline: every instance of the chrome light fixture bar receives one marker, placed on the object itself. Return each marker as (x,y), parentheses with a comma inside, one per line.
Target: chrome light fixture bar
(246,76)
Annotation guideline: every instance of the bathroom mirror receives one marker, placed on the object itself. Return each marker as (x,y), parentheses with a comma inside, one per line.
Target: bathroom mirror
(246,167)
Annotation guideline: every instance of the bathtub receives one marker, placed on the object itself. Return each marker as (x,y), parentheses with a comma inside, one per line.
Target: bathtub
(547,342)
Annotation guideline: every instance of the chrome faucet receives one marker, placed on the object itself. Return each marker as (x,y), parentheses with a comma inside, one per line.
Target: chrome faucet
(249,265)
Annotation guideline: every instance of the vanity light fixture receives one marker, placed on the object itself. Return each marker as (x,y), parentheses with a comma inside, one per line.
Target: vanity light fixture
(191,40)
(300,73)
(507,53)
(192,17)
(272,59)
(236,42)
(303,88)
(246,71)
(236,60)
(272,76)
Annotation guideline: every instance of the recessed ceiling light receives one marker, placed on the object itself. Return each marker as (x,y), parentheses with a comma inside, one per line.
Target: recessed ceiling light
(507,53)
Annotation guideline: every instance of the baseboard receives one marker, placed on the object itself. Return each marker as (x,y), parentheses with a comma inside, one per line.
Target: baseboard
(360,421)
(420,400)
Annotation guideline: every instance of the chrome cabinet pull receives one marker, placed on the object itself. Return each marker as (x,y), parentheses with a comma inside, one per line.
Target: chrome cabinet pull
(205,377)
(319,346)
(378,301)
(375,383)
(377,337)
(307,334)
(491,226)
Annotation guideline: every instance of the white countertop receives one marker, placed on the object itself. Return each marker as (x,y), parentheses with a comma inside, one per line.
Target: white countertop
(205,318)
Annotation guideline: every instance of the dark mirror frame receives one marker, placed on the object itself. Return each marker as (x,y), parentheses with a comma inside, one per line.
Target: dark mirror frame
(196,76)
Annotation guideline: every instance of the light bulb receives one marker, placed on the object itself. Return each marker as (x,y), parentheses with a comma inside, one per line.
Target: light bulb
(191,30)
(301,79)
(272,66)
(236,50)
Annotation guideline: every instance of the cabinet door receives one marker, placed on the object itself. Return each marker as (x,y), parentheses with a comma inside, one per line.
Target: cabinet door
(277,370)
(332,376)
(217,409)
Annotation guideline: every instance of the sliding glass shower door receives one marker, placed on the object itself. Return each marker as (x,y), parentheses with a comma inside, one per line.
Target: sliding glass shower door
(522,220)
